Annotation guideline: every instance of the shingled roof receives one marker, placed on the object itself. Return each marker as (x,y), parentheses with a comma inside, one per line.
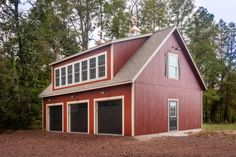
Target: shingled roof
(130,71)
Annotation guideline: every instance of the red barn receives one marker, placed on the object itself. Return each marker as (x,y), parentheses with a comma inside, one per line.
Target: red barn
(140,85)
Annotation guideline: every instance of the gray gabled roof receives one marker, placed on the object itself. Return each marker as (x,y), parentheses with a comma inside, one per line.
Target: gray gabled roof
(129,72)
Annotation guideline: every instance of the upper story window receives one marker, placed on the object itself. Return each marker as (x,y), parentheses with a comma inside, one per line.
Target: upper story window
(77,72)
(92,68)
(63,76)
(101,65)
(86,70)
(57,76)
(173,66)
(69,74)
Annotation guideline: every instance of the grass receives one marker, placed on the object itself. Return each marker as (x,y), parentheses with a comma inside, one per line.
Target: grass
(219,127)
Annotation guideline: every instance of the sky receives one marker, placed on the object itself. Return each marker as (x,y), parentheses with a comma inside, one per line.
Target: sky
(222,9)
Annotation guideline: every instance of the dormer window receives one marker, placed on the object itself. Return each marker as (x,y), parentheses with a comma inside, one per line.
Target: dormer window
(173,66)
(69,74)
(86,70)
(92,68)
(77,72)
(57,76)
(101,65)
(63,76)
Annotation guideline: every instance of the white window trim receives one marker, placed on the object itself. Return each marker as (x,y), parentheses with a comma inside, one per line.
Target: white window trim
(168,65)
(69,103)
(96,114)
(88,73)
(168,111)
(48,117)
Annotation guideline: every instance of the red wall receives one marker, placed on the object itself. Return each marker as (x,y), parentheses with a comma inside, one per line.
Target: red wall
(123,51)
(80,57)
(91,95)
(152,90)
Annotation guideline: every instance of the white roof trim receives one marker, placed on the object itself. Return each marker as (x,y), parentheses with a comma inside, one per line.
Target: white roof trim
(70,92)
(96,47)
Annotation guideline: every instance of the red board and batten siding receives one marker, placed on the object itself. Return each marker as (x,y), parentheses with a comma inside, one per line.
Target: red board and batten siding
(83,56)
(123,51)
(122,90)
(153,89)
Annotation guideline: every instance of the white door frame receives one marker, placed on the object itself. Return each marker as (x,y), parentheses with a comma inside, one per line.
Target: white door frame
(69,103)
(96,113)
(48,116)
(177,106)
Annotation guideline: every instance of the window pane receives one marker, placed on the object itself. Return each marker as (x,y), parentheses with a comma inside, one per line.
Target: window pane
(172,71)
(84,75)
(57,72)
(93,73)
(69,76)
(173,105)
(77,72)
(173,60)
(92,63)
(57,76)
(101,72)
(63,76)
(84,65)
(101,60)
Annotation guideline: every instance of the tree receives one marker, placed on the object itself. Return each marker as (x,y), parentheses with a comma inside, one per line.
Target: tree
(116,19)
(202,35)
(154,15)
(179,12)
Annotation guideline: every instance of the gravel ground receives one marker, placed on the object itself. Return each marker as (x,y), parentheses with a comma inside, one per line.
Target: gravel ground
(38,143)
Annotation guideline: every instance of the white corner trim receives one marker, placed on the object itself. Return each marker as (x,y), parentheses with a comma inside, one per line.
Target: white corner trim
(132,110)
(154,54)
(96,113)
(112,61)
(48,117)
(68,114)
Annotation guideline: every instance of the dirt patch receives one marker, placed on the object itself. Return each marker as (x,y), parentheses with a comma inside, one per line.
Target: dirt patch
(37,143)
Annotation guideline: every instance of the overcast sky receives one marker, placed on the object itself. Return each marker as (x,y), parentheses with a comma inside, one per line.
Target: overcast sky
(222,9)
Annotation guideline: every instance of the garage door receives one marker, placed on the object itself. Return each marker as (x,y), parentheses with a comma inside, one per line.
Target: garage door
(79,117)
(110,117)
(55,118)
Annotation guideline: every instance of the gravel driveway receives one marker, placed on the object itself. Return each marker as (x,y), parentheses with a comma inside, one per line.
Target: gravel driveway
(38,143)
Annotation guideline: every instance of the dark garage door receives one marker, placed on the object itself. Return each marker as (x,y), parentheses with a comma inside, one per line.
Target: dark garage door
(55,118)
(79,117)
(110,117)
